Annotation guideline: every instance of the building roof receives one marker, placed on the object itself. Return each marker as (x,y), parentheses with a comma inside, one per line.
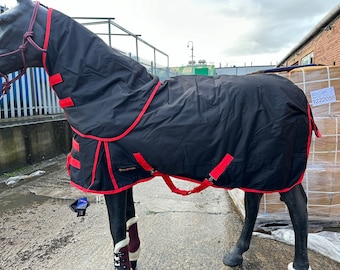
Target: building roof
(241,70)
(321,26)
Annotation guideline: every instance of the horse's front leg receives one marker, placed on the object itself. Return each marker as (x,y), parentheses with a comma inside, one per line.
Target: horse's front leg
(251,203)
(116,207)
(296,201)
(131,226)
(123,227)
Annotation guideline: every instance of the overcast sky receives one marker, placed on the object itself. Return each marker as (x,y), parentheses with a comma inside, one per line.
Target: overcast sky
(226,32)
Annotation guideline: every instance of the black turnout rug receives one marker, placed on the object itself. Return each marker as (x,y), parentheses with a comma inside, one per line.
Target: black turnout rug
(128,125)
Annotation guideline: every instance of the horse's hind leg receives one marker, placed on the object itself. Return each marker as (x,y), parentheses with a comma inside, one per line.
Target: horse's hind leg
(116,206)
(132,229)
(251,203)
(296,201)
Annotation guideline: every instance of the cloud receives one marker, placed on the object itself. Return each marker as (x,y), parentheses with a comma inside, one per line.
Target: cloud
(220,29)
(271,25)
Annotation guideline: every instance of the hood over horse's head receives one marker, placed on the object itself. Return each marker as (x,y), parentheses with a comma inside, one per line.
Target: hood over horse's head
(16,48)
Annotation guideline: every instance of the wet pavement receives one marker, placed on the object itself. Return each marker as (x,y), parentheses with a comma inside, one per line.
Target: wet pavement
(39,231)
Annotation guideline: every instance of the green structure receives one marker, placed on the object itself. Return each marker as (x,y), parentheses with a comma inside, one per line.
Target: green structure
(207,70)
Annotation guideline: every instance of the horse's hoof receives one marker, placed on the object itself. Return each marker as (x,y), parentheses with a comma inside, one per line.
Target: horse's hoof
(232,260)
(133,265)
(290,267)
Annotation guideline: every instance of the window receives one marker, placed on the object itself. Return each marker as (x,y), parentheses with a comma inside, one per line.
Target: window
(308,59)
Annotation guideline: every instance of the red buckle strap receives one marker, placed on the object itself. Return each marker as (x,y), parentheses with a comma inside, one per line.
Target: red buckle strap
(221,167)
(66,102)
(73,162)
(68,164)
(141,161)
(75,145)
(55,79)
(206,183)
(213,175)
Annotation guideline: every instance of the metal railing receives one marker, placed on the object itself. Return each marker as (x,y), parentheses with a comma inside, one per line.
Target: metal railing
(31,95)
(153,66)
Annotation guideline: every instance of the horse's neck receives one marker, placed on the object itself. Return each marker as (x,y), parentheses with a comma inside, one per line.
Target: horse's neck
(75,49)
(94,79)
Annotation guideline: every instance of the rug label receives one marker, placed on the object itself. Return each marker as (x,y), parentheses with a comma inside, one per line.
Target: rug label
(323,96)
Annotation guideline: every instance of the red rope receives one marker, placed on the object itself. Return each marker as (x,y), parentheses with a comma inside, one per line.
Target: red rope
(27,39)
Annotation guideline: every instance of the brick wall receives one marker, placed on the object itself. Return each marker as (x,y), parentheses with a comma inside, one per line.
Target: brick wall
(325,46)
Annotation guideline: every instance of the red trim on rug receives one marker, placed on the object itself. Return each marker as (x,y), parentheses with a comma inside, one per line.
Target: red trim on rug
(108,192)
(47,37)
(268,191)
(131,127)
(109,165)
(312,127)
(95,162)
(66,102)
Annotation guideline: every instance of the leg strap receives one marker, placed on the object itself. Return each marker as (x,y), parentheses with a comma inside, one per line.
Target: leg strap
(207,182)
(290,267)
(121,255)
(134,245)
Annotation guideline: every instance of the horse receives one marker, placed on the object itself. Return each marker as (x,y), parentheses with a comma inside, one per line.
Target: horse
(251,132)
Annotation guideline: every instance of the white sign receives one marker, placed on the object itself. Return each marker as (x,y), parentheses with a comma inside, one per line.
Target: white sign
(323,96)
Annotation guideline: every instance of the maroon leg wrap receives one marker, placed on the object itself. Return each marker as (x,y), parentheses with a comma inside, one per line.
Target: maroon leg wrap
(134,245)
(121,255)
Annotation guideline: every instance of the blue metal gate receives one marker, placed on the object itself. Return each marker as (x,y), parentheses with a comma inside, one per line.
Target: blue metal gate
(30,95)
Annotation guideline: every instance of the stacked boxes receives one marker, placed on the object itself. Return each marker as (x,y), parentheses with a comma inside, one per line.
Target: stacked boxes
(314,78)
(325,151)
(322,176)
(322,186)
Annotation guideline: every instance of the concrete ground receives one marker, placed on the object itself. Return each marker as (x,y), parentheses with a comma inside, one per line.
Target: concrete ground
(39,231)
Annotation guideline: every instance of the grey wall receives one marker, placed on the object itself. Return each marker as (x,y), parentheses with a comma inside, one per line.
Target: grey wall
(29,143)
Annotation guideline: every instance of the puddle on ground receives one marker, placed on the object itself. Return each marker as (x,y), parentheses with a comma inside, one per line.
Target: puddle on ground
(19,201)
(13,201)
